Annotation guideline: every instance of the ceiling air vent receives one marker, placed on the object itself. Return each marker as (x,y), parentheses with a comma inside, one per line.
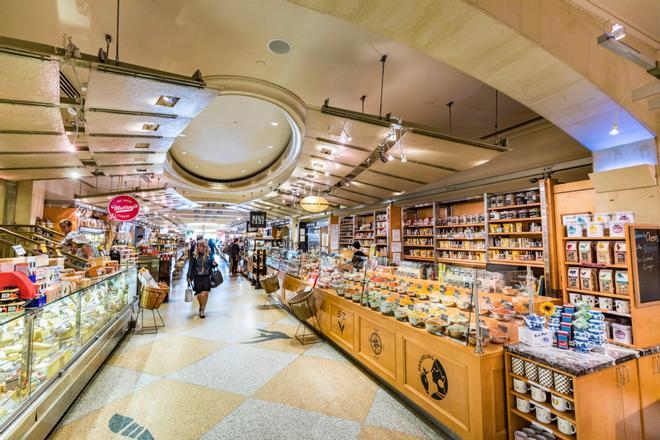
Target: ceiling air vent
(67,87)
(141,170)
(142,145)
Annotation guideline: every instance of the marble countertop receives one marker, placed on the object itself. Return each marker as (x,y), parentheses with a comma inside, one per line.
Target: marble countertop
(573,362)
(649,350)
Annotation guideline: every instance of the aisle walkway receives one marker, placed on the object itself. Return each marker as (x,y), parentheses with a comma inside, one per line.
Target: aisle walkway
(238,374)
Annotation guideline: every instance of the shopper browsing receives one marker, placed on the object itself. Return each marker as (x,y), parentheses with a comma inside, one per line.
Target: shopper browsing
(66,226)
(141,241)
(358,256)
(234,253)
(199,274)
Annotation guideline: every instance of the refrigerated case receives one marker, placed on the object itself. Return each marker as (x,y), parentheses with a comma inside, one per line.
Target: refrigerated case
(44,348)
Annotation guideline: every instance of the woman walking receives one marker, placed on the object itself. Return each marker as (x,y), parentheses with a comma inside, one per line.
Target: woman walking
(199,274)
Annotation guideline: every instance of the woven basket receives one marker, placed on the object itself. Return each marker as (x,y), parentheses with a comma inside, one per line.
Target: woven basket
(303,305)
(270,284)
(153,297)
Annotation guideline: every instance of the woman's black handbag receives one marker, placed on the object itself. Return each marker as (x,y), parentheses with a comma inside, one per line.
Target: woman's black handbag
(216,278)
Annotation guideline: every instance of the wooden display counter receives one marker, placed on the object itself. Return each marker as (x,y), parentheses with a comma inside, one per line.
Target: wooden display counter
(462,390)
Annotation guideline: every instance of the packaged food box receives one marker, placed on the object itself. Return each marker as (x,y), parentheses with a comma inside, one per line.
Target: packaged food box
(621,281)
(606,280)
(617,229)
(583,218)
(585,252)
(575,230)
(595,229)
(624,216)
(587,278)
(620,252)
(573,279)
(601,217)
(566,219)
(572,251)
(604,252)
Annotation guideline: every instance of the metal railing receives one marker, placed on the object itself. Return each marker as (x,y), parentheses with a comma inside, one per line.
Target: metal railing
(10,238)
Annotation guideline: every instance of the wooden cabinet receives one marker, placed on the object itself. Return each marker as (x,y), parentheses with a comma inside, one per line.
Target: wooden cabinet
(606,402)
(648,369)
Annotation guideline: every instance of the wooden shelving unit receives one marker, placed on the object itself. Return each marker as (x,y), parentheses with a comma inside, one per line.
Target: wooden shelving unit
(381,233)
(460,233)
(417,233)
(364,231)
(346,231)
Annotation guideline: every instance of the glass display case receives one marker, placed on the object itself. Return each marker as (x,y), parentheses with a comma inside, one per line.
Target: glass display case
(39,343)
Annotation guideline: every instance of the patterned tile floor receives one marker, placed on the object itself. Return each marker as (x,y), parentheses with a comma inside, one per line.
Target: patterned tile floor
(238,374)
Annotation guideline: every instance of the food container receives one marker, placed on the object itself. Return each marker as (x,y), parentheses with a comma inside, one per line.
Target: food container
(621,282)
(604,252)
(448,301)
(575,230)
(572,251)
(503,314)
(585,252)
(573,278)
(617,229)
(624,216)
(602,217)
(436,325)
(401,313)
(595,229)
(620,251)
(456,331)
(622,333)
(588,278)
(606,281)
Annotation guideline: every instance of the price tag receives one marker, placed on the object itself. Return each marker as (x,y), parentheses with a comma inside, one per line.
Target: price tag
(44,249)
(19,250)
(57,251)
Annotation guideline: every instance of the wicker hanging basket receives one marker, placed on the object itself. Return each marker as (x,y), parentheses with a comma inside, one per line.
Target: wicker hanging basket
(303,304)
(270,284)
(153,297)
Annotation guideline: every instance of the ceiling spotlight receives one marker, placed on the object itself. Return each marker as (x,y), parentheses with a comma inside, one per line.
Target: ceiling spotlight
(274,124)
(72,111)
(259,161)
(390,157)
(404,159)
(167,101)
(327,174)
(615,129)
(148,126)
(336,165)
(75,174)
(242,171)
(182,135)
(184,152)
(270,147)
(618,31)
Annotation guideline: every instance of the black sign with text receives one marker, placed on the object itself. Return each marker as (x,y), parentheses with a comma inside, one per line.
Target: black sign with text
(257,219)
(647,261)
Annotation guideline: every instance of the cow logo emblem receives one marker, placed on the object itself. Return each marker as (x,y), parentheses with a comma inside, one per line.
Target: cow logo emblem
(433,377)
(376,343)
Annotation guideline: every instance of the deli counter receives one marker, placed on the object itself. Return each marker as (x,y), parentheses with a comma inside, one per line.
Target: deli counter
(48,354)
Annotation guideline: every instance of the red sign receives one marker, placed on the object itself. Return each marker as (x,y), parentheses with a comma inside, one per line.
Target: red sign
(123,208)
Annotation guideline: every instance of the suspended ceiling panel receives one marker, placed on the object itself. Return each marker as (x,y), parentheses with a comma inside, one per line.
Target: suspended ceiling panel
(128,144)
(419,172)
(314,161)
(316,177)
(112,123)
(401,184)
(114,159)
(341,154)
(380,193)
(29,79)
(12,142)
(41,174)
(122,92)
(39,160)
(132,169)
(15,117)
(324,126)
(347,194)
(443,152)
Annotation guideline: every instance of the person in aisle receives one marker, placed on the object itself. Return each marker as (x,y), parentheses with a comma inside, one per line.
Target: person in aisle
(212,248)
(66,226)
(140,241)
(358,256)
(234,252)
(199,274)
(193,246)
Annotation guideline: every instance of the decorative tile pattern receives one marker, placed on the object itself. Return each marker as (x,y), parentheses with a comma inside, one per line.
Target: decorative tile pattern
(165,356)
(325,351)
(239,369)
(167,409)
(226,330)
(256,419)
(330,387)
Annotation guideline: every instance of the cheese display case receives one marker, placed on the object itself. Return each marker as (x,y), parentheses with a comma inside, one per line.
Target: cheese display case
(37,345)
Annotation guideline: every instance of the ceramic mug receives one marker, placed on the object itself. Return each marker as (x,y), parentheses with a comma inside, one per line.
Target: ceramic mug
(544,415)
(622,305)
(560,404)
(563,383)
(597,316)
(606,303)
(575,298)
(520,386)
(565,426)
(519,435)
(531,371)
(518,366)
(538,394)
(589,299)
(524,405)
(545,377)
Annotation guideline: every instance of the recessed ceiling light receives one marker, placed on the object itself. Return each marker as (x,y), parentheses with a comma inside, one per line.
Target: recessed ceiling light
(327,174)
(269,147)
(274,124)
(75,174)
(196,166)
(167,101)
(279,46)
(259,161)
(184,152)
(242,171)
(182,135)
(148,126)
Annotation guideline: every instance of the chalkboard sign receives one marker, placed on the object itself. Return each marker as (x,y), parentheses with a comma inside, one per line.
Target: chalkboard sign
(646,261)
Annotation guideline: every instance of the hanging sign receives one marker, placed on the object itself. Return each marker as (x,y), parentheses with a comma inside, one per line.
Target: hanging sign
(20,251)
(314,204)
(123,208)
(257,219)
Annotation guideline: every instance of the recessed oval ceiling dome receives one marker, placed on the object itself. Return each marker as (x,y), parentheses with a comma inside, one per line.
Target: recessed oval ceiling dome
(235,137)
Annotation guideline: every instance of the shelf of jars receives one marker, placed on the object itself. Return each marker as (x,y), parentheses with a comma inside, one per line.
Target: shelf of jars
(381,232)
(346,231)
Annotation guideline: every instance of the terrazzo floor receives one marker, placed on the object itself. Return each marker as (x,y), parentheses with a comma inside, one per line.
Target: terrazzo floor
(238,374)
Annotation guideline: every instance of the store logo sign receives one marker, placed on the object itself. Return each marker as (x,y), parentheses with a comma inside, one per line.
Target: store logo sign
(257,219)
(314,204)
(123,208)
(376,343)
(433,377)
